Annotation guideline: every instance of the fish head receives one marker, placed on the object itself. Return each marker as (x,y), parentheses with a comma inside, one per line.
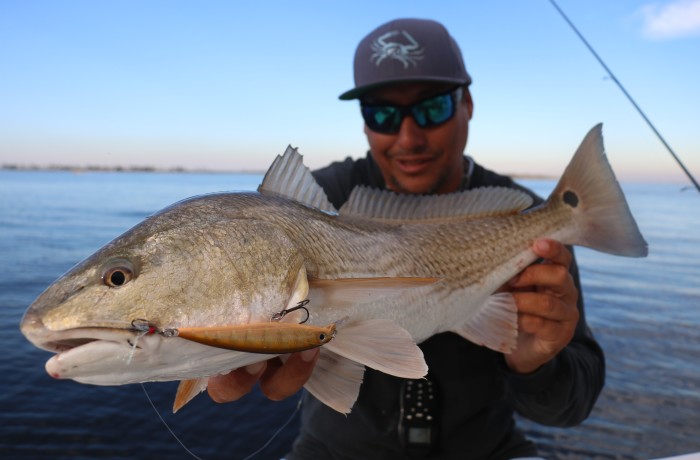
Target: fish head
(182,267)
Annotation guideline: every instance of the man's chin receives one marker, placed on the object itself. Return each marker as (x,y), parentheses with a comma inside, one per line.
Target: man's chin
(414,186)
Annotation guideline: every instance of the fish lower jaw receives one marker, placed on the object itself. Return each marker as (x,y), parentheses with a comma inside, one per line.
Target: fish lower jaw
(111,358)
(75,348)
(64,365)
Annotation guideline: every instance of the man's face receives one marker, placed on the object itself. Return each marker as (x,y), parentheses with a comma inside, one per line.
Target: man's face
(420,160)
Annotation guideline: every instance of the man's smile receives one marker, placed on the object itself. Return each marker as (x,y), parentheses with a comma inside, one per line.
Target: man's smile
(413,165)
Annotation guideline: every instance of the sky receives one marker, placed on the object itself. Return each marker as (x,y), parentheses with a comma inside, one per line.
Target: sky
(227,85)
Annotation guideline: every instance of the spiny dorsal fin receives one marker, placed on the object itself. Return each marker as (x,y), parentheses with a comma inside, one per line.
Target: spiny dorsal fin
(480,202)
(288,177)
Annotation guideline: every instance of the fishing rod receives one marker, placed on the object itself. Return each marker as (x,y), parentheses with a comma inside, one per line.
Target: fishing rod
(629,97)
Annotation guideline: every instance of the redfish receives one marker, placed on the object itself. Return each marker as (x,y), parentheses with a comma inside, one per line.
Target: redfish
(383,273)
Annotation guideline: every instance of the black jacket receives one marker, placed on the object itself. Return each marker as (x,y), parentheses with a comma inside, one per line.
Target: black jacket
(477,393)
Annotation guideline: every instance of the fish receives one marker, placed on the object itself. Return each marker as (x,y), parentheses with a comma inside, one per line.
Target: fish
(383,273)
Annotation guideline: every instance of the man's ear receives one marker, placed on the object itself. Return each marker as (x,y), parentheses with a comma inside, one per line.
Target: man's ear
(469,101)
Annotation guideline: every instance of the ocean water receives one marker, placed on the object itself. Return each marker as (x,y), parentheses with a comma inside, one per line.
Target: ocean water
(645,313)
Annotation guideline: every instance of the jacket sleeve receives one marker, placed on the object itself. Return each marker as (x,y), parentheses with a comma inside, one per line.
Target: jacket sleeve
(562,392)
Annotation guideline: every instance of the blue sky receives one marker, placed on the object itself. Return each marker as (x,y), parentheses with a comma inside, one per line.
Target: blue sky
(226,85)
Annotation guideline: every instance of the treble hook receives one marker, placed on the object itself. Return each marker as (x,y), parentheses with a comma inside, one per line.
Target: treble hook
(145,327)
(300,306)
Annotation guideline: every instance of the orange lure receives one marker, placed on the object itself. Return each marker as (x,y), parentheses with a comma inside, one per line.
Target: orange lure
(270,338)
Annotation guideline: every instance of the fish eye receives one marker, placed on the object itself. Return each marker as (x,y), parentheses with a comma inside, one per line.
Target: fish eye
(118,275)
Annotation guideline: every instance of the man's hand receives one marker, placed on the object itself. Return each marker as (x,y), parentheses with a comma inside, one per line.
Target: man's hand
(277,380)
(547,315)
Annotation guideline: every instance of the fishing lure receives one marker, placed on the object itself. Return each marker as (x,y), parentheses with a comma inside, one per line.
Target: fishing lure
(273,337)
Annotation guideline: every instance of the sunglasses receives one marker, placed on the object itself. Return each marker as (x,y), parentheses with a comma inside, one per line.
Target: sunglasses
(433,111)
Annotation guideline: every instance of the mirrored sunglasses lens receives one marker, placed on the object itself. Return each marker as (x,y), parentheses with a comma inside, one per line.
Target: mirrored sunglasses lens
(434,111)
(381,119)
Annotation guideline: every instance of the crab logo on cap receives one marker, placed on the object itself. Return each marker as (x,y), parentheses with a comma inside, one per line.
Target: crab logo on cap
(406,53)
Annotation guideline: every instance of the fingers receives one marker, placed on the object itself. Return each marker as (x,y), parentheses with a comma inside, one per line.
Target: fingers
(551,327)
(553,252)
(546,297)
(283,380)
(545,307)
(235,384)
(544,332)
(552,276)
(278,380)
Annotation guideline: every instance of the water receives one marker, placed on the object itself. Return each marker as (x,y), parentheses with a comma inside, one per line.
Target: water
(645,312)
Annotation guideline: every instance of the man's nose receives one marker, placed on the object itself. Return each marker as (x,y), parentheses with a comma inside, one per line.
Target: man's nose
(410,135)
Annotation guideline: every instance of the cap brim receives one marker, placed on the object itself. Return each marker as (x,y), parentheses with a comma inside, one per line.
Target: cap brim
(358,92)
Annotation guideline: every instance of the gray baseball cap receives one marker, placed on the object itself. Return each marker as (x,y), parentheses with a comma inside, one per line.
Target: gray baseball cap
(404,50)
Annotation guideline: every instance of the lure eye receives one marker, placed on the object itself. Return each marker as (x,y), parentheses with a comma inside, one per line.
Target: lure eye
(117,276)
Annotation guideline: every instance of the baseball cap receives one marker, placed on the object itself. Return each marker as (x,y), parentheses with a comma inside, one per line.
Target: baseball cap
(404,50)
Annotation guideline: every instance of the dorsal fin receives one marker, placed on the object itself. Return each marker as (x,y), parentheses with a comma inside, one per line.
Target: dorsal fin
(480,202)
(290,178)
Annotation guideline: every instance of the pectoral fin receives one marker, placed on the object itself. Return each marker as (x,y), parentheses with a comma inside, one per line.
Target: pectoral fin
(382,345)
(378,343)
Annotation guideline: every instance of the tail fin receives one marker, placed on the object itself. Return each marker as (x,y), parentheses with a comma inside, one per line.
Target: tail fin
(603,217)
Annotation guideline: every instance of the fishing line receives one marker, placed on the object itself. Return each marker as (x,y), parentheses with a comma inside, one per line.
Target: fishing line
(279,430)
(134,346)
(264,446)
(166,424)
(629,97)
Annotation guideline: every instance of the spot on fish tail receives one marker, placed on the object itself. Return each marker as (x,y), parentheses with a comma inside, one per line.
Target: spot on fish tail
(570,198)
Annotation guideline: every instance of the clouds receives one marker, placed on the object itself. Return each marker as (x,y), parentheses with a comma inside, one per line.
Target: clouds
(675,19)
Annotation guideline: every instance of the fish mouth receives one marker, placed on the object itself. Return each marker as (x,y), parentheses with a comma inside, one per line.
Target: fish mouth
(85,352)
(102,355)
(62,341)
(65,341)
(124,355)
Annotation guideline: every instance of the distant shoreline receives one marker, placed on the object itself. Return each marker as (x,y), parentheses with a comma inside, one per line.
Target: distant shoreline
(176,170)
(125,169)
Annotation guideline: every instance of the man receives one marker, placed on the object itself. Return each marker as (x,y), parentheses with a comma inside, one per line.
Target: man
(414,95)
